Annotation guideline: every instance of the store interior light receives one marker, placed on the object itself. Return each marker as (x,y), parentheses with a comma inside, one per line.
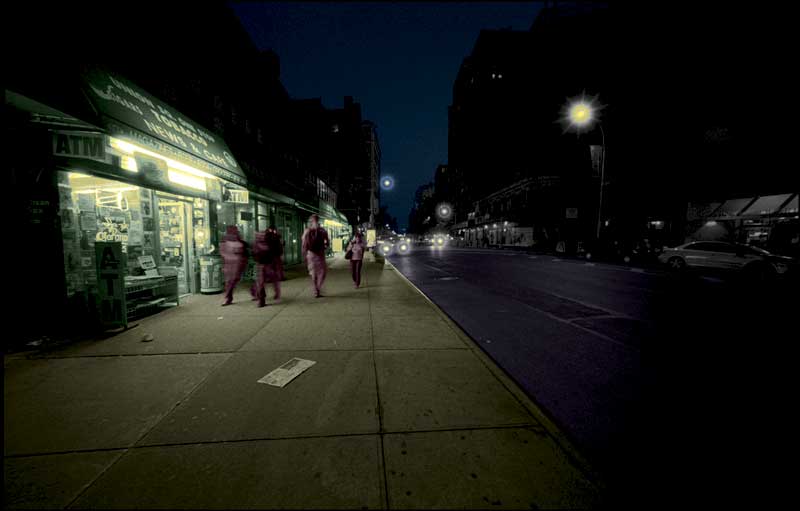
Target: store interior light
(130,149)
(129,163)
(186,180)
(123,146)
(108,190)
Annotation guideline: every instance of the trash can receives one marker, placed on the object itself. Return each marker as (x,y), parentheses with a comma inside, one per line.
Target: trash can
(211,280)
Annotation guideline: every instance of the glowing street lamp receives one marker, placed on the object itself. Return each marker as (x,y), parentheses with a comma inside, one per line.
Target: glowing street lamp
(387,182)
(580,114)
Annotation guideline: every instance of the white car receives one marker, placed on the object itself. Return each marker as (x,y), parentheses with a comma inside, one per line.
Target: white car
(725,257)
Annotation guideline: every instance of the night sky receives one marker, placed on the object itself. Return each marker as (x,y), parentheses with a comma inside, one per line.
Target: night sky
(398,60)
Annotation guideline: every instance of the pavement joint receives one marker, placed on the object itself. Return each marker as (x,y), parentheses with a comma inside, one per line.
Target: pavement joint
(89,484)
(116,355)
(379,404)
(185,398)
(521,425)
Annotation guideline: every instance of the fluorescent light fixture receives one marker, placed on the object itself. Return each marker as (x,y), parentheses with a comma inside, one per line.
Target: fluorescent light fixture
(129,148)
(186,180)
(129,163)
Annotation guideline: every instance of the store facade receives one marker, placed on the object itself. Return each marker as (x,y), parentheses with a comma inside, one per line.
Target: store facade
(130,169)
(137,173)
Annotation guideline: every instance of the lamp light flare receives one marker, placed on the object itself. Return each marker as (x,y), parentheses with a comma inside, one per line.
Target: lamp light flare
(387,182)
(444,211)
(580,113)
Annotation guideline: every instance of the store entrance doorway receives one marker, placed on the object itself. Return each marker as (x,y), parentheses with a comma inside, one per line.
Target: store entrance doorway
(175,235)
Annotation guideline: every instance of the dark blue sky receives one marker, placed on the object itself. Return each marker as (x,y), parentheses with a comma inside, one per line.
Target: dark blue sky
(399,60)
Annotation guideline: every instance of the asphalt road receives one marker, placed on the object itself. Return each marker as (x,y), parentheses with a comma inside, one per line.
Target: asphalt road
(656,377)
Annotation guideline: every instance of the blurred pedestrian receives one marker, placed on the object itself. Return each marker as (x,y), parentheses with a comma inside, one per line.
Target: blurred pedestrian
(356,248)
(234,251)
(315,243)
(268,253)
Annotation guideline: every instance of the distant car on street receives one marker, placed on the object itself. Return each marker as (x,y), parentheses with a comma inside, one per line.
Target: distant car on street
(723,257)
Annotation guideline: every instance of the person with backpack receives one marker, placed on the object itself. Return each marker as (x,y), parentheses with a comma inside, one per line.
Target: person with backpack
(234,251)
(356,251)
(267,252)
(315,243)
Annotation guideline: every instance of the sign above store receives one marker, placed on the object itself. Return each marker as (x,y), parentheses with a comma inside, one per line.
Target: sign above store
(120,100)
(79,144)
(236,196)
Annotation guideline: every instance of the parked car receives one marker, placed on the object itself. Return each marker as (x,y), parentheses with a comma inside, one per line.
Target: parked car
(723,257)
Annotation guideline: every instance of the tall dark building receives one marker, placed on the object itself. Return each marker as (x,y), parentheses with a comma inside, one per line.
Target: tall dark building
(506,131)
(373,148)
(503,130)
(343,150)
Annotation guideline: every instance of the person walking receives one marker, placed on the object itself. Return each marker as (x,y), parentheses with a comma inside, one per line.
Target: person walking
(234,251)
(268,252)
(315,243)
(356,249)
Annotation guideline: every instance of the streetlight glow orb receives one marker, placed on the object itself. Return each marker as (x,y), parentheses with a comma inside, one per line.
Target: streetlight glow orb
(387,182)
(444,211)
(580,113)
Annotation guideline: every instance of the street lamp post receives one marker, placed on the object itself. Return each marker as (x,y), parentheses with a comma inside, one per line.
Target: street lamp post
(602,177)
(582,114)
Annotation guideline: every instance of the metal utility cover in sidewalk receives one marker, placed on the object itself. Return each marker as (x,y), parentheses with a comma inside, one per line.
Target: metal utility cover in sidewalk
(281,376)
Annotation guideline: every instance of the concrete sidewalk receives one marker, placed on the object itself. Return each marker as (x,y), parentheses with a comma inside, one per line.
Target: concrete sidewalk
(400,411)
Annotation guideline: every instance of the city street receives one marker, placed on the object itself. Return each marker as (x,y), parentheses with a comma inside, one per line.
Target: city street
(623,359)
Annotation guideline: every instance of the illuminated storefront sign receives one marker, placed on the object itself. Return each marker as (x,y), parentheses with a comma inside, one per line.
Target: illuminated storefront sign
(131,112)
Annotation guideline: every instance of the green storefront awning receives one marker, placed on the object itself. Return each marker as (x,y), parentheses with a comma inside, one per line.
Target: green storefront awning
(270,196)
(126,110)
(40,113)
